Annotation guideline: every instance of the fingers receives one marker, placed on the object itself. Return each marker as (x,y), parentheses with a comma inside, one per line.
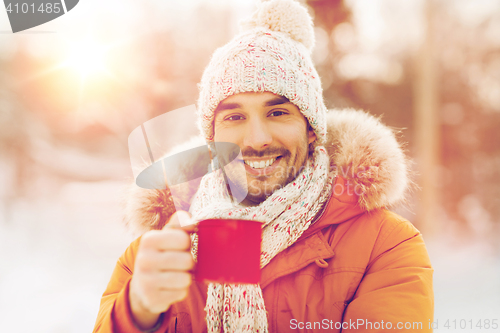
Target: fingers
(164,240)
(171,281)
(165,261)
(168,281)
(153,299)
(176,295)
(172,236)
(156,303)
(162,266)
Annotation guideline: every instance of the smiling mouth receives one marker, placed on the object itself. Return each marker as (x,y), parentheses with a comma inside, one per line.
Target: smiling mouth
(261,164)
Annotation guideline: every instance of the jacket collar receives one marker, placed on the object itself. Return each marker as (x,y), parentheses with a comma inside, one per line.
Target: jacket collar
(341,206)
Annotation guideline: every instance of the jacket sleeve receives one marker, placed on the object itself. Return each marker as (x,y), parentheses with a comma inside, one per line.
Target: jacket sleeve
(114,312)
(395,293)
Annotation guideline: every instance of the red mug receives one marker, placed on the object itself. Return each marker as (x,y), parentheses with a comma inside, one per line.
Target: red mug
(229,251)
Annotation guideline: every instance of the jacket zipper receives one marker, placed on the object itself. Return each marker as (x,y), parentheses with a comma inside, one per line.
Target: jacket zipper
(326,205)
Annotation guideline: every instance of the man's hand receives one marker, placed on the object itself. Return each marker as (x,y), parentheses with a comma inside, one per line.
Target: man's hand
(161,271)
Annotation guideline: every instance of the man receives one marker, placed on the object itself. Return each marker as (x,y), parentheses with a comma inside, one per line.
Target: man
(332,257)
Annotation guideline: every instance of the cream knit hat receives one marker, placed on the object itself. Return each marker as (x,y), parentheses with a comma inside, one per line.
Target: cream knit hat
(273,54)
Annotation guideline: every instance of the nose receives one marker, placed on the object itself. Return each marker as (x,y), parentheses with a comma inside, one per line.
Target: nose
(258,135)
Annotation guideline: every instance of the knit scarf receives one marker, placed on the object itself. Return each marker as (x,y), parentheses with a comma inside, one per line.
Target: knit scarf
(286,214)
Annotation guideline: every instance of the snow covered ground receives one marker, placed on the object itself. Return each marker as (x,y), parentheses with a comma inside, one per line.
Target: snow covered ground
(57,254)
(56,257)
(466,284)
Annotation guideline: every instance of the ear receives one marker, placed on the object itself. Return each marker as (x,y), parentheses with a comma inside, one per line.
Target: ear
(311,136)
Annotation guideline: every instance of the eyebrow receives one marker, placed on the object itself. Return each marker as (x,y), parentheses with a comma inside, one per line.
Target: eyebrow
(277,101)
(274,101)
(227,106)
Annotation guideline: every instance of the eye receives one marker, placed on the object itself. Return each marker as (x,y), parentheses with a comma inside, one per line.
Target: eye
(277,113)
(234,118)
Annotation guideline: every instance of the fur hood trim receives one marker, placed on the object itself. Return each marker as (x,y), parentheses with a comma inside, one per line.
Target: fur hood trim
(366,153)
(362,150)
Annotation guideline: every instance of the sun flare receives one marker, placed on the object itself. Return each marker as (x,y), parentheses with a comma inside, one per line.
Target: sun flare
(88,58)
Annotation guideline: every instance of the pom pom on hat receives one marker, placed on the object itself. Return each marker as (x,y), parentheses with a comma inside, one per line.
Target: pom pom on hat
(286,16)
(273,54)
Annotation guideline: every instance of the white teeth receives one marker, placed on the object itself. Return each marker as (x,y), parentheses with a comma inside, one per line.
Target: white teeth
(261,164)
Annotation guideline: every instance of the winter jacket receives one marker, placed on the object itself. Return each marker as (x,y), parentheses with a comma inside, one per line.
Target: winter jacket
(359,267)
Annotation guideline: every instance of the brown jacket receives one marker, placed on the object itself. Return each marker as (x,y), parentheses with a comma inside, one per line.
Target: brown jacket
(359,267)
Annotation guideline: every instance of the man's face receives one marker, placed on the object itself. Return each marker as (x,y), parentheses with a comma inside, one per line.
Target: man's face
(273,136)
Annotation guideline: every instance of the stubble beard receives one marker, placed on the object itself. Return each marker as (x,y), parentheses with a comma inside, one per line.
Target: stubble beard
(260,188)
